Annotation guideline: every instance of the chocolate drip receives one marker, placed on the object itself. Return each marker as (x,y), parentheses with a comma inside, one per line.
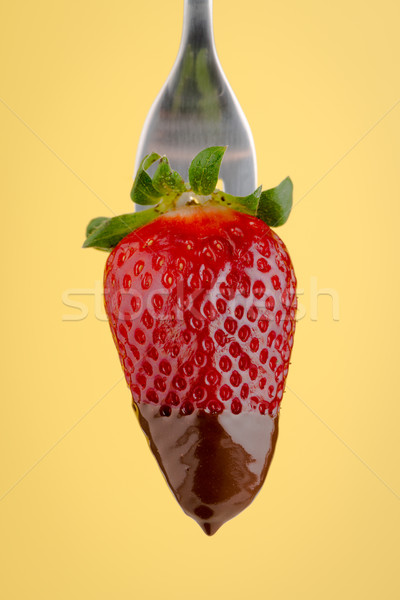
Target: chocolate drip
(214,464)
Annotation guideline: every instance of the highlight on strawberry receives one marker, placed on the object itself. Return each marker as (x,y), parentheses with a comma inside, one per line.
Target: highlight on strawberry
(200,295)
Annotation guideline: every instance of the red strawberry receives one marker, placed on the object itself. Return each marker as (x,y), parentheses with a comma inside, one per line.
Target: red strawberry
(201,303)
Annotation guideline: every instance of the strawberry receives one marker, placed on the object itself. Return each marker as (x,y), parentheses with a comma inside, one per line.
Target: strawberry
(200,297)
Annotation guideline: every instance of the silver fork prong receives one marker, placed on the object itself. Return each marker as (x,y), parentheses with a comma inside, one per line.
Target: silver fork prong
(197,108)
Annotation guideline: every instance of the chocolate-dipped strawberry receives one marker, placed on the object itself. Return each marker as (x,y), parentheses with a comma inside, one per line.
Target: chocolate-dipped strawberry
(200,296)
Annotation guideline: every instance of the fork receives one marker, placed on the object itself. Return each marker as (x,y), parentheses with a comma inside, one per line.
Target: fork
(197,108)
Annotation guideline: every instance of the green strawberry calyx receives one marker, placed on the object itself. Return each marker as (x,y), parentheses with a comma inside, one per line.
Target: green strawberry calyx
(166,190)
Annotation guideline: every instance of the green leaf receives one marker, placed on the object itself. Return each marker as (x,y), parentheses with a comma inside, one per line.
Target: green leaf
(94,224)
(246,204)
(166,181)
(111,231)
(143,192)
(275,204)
(204,170)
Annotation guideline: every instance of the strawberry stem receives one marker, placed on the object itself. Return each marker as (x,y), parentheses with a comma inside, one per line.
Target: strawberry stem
(166,190)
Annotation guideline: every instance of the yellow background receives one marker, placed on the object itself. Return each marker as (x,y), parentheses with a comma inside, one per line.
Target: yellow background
(84,511)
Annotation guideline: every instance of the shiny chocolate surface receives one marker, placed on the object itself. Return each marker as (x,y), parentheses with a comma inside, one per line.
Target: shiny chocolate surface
(215,464)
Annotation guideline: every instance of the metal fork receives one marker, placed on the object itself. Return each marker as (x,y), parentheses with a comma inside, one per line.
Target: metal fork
(197,108)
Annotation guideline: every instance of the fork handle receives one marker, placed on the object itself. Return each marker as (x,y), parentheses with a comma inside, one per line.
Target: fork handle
(197,25)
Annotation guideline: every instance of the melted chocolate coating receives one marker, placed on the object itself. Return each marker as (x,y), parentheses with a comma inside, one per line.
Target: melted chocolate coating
(214,464)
